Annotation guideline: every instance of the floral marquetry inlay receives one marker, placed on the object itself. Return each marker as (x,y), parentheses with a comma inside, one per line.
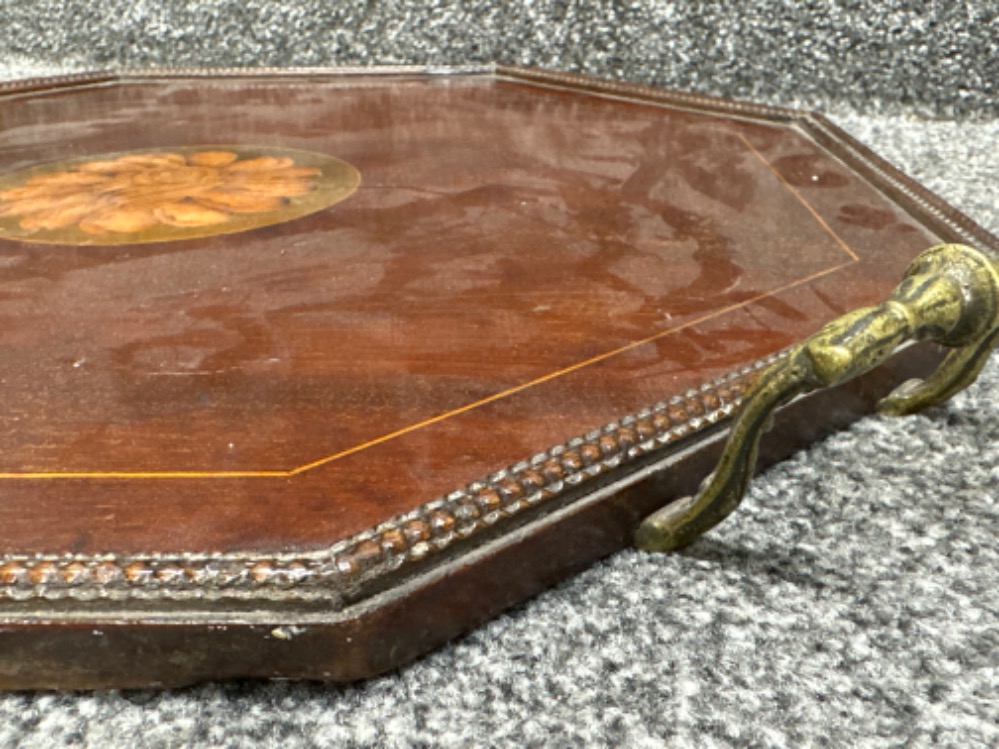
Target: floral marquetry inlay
(178,193)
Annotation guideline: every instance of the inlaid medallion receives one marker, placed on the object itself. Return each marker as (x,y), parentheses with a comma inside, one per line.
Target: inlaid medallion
(168,194)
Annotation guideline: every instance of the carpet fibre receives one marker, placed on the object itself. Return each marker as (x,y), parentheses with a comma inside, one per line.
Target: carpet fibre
(854,598)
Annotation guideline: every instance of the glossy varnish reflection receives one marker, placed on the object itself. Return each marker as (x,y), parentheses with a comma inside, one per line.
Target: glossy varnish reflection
(515,254)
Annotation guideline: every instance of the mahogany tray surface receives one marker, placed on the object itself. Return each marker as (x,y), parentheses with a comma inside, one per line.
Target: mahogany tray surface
(474,327)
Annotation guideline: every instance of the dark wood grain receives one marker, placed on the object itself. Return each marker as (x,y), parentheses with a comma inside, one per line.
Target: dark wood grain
(527,259)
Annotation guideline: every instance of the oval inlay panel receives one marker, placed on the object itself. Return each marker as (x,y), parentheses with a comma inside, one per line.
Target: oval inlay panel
(168,194)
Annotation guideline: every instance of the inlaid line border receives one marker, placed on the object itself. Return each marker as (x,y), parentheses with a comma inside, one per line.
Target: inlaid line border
(717,107)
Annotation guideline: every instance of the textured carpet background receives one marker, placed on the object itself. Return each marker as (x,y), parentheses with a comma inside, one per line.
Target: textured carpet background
(854,599)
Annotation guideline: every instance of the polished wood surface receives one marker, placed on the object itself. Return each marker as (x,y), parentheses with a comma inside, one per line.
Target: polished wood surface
(519,265)
(319,444)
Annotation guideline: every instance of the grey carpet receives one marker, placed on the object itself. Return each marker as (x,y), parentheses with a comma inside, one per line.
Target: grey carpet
(854,599)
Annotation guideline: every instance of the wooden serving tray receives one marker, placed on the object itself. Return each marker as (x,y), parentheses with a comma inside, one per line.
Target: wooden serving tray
(306,372)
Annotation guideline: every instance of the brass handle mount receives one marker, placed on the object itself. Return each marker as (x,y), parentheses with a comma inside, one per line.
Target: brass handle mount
(950,294)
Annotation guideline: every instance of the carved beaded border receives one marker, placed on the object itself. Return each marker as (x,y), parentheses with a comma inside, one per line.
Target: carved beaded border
(334,574)
(337,574)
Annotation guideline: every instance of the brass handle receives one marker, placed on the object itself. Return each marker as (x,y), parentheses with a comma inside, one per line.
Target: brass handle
(950,294)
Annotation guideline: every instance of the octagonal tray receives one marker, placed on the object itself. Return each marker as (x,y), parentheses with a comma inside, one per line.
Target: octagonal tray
(306,372)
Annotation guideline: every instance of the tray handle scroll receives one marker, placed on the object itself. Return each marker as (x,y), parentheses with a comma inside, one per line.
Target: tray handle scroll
(950,294)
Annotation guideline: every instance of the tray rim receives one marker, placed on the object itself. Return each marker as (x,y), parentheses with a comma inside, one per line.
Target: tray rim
(408,545)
